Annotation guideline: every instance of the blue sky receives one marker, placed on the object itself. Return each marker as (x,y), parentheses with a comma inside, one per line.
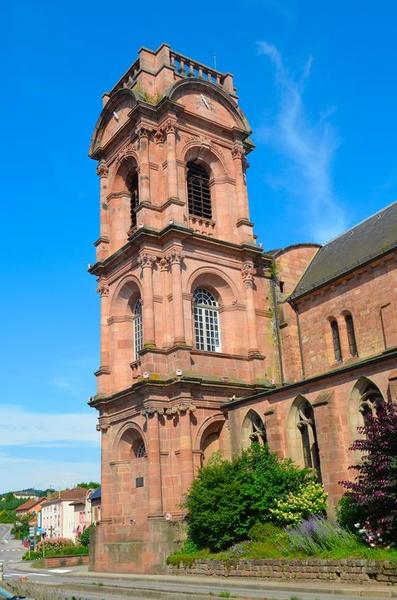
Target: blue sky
(318,83)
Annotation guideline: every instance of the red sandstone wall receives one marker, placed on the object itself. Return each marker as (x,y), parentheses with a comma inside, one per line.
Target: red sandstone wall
(364,294)
(290,266)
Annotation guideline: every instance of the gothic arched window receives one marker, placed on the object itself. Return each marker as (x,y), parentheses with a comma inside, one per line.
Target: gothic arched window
(336,340)
(351,336)
(253,430)
(198,191)
(139,449)
(206,321)
(133,188)
(307,429)
(370,403)
(138,328)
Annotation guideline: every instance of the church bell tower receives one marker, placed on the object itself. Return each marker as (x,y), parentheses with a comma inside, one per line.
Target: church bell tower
(184,291)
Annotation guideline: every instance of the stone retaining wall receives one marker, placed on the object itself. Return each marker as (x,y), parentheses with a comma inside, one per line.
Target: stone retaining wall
(52,562)
(347,570)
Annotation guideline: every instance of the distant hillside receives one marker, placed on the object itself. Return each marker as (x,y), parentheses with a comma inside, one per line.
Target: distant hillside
(28,492)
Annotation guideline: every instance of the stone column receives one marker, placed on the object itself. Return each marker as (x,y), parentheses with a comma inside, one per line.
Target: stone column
(102,244)
(146,261)
(154,465)
(104,367)
(144,167)
(167,338)
(175,259)
(103,172)
(239,160)
(185,447)
(172,176)
(248,272)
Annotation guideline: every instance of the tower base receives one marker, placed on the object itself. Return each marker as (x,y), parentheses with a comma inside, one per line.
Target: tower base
(122,548)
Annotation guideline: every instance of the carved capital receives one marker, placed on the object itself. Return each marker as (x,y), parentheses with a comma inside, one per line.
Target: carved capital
(163,262)
(238,151)
(143,132)
(175,257)
(158,136)
(146,260)
(247,273)
(170,127)
(102,169)
(103,288)
(103,424)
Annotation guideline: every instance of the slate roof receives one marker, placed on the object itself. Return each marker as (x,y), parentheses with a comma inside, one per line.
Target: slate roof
(367,240)
(96,494)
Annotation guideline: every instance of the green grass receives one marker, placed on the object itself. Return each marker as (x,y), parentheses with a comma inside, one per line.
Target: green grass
(258,550)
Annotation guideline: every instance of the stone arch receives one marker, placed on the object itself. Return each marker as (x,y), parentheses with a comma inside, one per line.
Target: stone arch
(220,284)
(364,398)
(209,438)
(253,429)
(123,169)
(302,435)
(122,97)
(201,86)
(205,154)
(128,443)
(128,290)
(225,293)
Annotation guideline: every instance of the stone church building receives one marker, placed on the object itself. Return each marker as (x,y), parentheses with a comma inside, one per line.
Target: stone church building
(207,341)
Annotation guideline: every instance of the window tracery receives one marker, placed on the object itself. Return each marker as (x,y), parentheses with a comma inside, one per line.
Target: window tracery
(206,321)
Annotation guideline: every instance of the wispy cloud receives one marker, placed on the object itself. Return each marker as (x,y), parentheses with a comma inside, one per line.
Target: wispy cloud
(17,473)
(20,426)
(308,147)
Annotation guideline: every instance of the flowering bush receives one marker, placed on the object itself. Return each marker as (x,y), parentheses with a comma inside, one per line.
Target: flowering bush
(310,499)
(316,534)
(53,544)
(375,487)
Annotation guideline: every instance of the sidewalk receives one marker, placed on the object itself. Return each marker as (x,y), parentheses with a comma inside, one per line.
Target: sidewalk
(223,583)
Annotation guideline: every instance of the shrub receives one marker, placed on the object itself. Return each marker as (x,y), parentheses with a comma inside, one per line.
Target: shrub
(375,487)
(84,538)
(263,532)
(228,498)
(309,499)
(349,513)
(315,535)
(54,544)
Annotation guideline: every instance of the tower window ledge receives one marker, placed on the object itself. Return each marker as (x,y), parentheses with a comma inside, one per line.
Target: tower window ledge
(202,225)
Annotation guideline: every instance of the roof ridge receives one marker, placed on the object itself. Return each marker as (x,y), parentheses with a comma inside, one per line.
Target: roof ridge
(359,223)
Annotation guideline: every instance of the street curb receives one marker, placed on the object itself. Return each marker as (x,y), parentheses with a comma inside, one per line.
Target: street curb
(227,583)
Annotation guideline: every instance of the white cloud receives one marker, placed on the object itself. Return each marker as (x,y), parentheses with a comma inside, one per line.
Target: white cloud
(19,473)
(308,147)
(20,426)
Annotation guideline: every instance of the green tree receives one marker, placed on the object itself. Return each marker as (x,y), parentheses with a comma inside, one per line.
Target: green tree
(89,485)
(228,498)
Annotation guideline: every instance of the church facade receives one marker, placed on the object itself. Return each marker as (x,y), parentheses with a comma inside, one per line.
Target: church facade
(207,341)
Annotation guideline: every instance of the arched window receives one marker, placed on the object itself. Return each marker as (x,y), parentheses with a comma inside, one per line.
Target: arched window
(198,191)
(206,321)
(253,430)
(133,188)
(336,340)
(370,402)
(139,449)
(307,429)
(351,336)
(138,328)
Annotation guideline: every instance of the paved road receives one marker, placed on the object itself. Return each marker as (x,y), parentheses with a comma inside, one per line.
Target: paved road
(84,585)
(11,550)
